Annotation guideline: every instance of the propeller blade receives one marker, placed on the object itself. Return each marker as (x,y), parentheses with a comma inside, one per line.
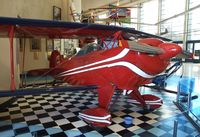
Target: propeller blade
(140,47)
(185,54)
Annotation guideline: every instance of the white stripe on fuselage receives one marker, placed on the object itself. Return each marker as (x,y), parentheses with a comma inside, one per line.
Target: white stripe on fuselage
(128,65)
(118,56)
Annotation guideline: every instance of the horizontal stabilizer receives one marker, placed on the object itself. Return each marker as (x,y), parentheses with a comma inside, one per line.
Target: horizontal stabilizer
(151,101)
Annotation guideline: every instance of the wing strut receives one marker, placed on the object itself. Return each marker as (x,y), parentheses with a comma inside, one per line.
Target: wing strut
(12,74)
(117,35)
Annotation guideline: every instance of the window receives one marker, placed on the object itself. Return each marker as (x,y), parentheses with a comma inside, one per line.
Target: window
(193,24)
(175,28)
(149,14)
(174,25)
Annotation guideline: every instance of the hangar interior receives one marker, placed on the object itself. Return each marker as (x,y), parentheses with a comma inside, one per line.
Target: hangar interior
(57,114)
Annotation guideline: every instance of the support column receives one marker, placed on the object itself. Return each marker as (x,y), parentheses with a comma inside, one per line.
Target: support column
(139,16)
(159,16)
(185,34)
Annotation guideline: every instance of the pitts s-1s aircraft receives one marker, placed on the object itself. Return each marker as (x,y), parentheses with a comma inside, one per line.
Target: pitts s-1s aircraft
(126,66)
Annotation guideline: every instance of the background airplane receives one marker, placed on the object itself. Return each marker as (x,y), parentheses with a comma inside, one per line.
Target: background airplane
(126,66)
(115,14)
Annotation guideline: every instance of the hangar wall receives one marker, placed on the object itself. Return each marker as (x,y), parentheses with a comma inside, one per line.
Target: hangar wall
(87,4)
(36,9)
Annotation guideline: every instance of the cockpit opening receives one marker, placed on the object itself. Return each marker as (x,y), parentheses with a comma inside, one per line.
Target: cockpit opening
(87,49)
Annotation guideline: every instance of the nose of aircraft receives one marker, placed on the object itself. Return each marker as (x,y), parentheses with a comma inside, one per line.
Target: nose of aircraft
(170,50)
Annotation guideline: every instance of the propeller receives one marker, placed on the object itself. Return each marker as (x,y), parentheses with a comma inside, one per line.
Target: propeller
(184,54)
(145,48)
(140,47)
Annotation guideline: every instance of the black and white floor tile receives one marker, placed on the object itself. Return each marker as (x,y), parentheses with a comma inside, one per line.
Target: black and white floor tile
(56,115)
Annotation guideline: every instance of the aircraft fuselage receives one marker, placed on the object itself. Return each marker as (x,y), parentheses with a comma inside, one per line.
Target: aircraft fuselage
(122,67)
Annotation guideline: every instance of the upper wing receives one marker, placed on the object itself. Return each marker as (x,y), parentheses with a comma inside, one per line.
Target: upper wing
(60,29)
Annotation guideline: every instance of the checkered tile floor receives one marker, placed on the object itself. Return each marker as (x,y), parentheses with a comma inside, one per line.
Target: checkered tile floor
(56,115)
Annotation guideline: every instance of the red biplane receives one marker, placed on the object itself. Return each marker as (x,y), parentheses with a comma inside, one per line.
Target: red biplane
(125,66)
